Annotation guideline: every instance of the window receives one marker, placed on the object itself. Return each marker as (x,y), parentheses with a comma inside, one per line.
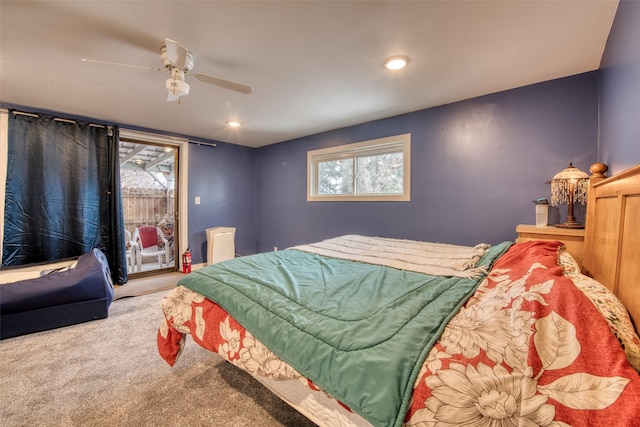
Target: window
(376,170)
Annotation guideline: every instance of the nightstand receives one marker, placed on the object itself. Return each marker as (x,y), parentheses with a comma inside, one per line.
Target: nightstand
(573,239)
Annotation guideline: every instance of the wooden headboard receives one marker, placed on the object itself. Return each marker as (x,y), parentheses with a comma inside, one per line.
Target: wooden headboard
(612,235)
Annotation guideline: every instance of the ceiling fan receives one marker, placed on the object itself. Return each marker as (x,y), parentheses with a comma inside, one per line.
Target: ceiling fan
(179,61)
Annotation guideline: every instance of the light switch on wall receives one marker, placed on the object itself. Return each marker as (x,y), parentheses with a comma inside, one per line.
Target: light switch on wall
(197,200)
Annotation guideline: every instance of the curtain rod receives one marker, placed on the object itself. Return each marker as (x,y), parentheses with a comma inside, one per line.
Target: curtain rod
(57,119)
(208,144)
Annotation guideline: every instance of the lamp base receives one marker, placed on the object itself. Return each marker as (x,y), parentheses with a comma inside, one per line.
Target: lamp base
(570,224)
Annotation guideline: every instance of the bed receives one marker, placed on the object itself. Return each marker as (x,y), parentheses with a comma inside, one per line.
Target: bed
(361,331)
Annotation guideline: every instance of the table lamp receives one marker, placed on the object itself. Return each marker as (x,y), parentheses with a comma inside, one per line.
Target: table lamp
(568,187)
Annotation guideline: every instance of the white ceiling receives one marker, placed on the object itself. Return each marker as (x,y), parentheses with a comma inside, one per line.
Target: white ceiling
(313,65)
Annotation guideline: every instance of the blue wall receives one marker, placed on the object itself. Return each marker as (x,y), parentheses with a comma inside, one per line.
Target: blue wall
(477,164)
(476,167)
(620,91)
(224,178)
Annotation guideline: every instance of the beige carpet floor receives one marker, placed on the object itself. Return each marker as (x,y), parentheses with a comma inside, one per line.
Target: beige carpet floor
(108,373)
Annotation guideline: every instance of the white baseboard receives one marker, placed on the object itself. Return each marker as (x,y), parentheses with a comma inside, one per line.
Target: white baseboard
(198,266)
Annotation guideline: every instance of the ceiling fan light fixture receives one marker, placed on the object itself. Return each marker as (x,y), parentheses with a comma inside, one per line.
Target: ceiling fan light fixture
(396,62)
(177,87)
(233,123)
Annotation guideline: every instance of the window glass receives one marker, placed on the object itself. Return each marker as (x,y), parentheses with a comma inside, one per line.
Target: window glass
(380,174)
(364,171)
(335,177)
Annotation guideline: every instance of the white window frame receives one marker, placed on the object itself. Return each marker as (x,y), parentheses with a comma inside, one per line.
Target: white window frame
(391,144)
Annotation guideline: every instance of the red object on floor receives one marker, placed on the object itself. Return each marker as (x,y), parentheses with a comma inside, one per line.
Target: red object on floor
(186,261)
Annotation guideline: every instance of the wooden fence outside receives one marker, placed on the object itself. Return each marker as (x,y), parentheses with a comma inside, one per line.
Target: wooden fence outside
(147,206)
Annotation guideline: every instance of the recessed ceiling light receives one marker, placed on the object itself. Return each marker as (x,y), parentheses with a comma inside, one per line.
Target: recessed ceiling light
(397,62)
(233,124)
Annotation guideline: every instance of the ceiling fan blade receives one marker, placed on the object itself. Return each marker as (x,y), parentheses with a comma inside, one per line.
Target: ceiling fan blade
(122,65)
(223,83)
(176,53)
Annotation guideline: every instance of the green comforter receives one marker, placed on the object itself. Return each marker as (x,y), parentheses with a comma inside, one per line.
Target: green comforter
(359,331)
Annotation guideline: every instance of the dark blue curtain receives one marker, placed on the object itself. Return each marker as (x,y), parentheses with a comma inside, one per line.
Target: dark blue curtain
(62,193)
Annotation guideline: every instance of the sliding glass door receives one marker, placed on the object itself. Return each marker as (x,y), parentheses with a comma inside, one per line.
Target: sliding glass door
(149,186)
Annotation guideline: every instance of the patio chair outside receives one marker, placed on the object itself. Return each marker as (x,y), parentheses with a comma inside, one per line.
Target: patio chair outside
(151,243)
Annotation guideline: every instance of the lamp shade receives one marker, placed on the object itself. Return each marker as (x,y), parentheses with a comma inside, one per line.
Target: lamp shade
(571,172)
(569,184)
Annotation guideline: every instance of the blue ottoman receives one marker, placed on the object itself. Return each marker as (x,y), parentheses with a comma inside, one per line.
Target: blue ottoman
(63,298)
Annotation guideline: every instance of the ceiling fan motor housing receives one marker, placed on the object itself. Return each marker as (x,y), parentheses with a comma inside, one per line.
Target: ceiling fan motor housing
(186,65)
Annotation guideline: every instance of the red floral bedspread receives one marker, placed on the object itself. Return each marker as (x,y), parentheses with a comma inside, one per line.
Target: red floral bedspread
(527,349)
